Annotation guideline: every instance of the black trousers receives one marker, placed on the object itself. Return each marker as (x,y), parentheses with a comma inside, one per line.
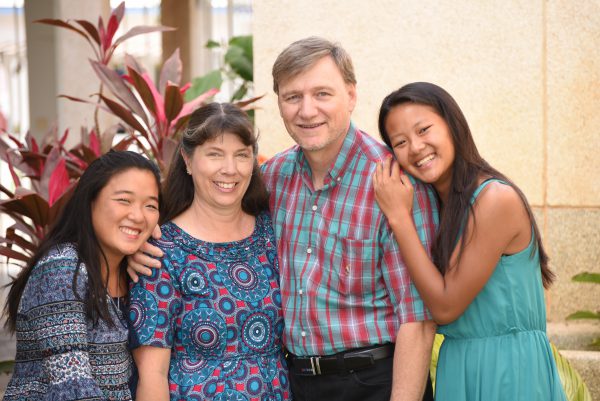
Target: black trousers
(372,384)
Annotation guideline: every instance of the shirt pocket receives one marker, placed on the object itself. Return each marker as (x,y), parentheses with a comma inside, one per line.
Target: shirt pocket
(358,266)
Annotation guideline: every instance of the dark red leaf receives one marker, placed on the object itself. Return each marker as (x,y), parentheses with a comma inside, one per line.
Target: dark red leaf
(63,139)
(143,89)
(33,145)
(32,205)
(12,254)
(111,28)
(124,143)
(90,29)
(66,25)
(123,114)
(140,30)
(61,24)
(16,140)
(181,123)
(13,238)
(58,183)
(173,102)
(114,83)
(95,144)
(242,104)
(6,191)
(76,99)
(13,173)
(60,203)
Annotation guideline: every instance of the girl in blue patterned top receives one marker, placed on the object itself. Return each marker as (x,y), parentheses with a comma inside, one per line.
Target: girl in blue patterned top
(208,324)
(65,306)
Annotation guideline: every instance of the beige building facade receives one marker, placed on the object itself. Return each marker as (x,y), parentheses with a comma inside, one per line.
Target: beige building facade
(525,73)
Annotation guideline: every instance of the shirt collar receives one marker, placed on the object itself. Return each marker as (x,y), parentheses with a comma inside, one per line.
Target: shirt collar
(344,158)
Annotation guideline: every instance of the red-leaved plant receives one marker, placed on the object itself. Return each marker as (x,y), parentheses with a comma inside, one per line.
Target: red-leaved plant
(101,38)
(52,171)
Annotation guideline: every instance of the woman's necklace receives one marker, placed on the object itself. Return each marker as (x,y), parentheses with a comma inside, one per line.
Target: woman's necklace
(118,304)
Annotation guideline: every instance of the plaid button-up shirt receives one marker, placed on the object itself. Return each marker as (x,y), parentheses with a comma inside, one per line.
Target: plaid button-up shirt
(343,282)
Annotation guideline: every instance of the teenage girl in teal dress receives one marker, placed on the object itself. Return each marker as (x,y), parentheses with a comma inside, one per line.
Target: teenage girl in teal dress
(484,286)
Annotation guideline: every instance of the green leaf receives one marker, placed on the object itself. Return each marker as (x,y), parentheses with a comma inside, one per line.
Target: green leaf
(245,43)
(587,277)
(584,314)
(575,388)
(239,62)
(212,80)
(239,93)
(211,44)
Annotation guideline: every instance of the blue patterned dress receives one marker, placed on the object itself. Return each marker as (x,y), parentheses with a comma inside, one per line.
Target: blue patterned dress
(61,354)
(217,306)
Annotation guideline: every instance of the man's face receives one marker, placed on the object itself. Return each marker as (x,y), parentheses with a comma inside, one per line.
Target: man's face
(316,106)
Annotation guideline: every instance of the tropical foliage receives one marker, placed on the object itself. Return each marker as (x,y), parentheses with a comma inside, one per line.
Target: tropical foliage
(587,314)
(51,170)
(150,115)
(236,68)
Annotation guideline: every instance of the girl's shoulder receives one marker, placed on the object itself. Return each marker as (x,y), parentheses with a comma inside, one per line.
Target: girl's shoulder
(52,278)
(62,257)
(497,199)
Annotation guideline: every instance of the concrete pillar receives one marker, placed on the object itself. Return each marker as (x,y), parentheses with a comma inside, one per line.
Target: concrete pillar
(177,14)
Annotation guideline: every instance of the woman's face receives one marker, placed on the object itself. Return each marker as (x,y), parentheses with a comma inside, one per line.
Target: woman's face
(422,143)
(125,212)
(221,169)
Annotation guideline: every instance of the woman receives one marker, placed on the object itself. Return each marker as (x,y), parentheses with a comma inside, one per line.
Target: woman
(208,324)
(484,285)
(67,304)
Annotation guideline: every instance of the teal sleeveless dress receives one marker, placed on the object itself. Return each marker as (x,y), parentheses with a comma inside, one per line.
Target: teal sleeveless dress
(497,350)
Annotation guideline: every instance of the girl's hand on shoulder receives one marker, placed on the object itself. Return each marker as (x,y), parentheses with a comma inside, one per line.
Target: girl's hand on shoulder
(393,190)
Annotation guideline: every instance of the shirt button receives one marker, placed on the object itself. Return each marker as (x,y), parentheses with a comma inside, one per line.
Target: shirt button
(347,268)
(314,207)
(338,179)
(309,251)
(303,333)
(300,291)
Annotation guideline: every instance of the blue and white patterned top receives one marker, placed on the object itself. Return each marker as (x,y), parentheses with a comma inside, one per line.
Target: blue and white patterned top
(217,306)
(61,354)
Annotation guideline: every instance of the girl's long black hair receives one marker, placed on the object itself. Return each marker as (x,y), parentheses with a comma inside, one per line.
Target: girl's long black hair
(467,168)
(74,225)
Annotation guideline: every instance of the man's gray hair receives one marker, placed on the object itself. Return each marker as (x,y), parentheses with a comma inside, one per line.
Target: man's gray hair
(304,53)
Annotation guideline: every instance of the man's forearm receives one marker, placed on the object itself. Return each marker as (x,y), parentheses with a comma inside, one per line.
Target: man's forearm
(411,360)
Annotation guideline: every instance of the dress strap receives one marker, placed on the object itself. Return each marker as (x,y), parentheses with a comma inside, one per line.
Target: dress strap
(483,185)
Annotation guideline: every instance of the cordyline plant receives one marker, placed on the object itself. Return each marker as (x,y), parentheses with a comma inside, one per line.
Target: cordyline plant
(155,113)
(101,38)
(151,115)
(52,171)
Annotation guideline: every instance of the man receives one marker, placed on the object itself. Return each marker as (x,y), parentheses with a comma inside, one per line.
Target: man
(346,294)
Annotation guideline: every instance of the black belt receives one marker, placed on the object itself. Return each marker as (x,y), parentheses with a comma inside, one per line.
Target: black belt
(344,362)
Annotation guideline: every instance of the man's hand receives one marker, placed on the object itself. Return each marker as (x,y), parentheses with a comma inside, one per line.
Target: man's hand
(143,259)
